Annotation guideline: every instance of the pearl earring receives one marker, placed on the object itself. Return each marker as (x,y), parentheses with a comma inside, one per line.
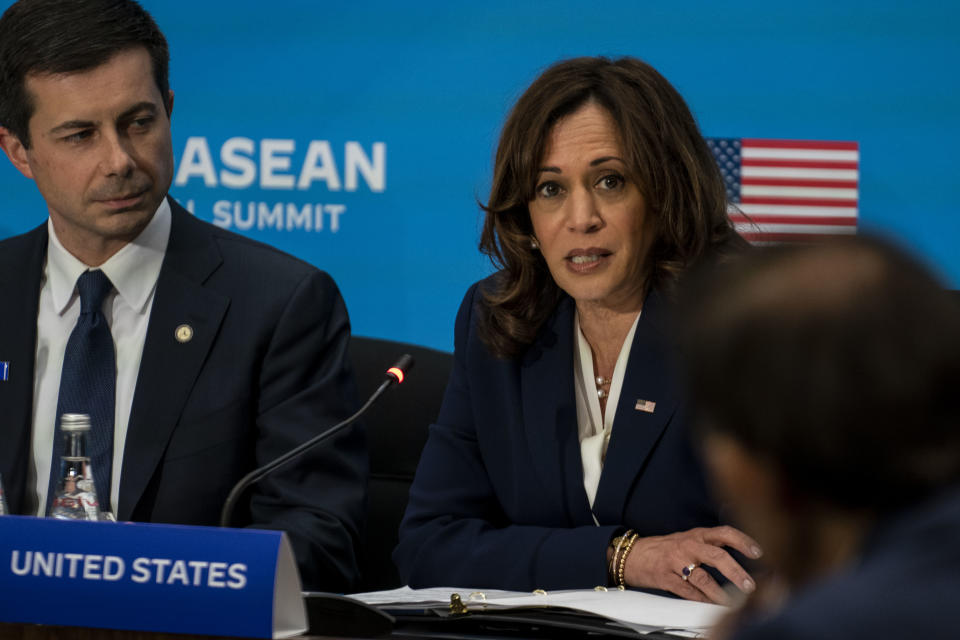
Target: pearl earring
(533,243)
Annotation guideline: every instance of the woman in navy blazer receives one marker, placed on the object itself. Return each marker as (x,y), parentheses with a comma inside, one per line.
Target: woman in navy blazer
(561,456)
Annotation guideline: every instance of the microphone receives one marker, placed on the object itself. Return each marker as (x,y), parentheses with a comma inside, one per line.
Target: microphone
(395,374)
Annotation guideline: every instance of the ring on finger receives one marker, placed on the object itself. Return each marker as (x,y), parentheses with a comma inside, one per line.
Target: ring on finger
(687,570)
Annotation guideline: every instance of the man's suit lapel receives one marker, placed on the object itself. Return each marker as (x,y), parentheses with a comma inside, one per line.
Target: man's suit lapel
(21,270)
(649,378)
(550,413)
(170,366)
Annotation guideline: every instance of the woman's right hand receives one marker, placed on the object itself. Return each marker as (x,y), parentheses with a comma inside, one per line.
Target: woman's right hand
(661,562)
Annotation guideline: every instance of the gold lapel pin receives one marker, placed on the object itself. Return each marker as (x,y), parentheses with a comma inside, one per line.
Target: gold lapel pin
(647,406)
(184,333)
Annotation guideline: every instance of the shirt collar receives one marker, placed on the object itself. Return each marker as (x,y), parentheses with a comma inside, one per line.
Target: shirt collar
(133,270)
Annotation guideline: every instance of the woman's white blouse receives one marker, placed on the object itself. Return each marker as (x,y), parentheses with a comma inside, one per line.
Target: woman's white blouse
(595,430)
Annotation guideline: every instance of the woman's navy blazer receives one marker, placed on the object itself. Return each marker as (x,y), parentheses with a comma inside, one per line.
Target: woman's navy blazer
(498,499)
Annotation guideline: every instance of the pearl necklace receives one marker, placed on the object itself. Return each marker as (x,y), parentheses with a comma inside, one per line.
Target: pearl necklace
(601,383)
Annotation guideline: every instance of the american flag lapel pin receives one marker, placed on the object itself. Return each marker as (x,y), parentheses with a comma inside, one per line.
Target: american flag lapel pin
(647,406)
(4,371)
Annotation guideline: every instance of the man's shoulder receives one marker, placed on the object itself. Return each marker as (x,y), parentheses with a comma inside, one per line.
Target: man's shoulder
(25,241)
(19,251)
(907,581)
(238,252)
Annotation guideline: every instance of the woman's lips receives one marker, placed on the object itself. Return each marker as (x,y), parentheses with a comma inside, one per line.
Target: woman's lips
(587,260)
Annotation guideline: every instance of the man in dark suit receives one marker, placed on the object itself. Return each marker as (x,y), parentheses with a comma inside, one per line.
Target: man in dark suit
(226,352)
(827,378)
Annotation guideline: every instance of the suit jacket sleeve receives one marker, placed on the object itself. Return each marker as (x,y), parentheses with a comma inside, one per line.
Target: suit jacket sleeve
(306,381)
(455,531)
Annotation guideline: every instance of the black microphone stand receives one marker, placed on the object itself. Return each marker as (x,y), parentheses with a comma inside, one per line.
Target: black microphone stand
(405,363)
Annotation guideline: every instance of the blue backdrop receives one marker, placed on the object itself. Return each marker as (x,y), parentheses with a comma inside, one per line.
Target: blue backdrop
(359,136)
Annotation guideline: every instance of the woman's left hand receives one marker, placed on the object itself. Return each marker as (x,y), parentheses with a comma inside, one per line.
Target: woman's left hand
(672,562)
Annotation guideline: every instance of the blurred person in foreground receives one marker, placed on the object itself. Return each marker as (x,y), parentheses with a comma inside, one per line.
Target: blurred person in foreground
(561,457)
(219,353)
(826,380)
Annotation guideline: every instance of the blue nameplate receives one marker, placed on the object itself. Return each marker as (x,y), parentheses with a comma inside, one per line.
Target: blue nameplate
(149,577)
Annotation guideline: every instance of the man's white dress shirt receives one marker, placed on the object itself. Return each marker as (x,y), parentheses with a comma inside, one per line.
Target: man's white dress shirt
(134,271)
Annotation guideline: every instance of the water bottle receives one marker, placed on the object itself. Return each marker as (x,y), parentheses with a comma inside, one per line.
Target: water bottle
(75,497)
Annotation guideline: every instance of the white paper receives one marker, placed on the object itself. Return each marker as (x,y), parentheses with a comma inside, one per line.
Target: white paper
(289,611)
(630,607)
(437,595)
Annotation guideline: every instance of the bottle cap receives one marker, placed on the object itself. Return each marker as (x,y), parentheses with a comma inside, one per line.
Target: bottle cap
(75,422)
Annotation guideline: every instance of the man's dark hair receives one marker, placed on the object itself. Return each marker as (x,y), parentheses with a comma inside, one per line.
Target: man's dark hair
(67,36)
(839,365)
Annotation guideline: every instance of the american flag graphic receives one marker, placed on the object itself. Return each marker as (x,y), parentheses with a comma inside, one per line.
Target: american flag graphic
(789,190)
(647,406)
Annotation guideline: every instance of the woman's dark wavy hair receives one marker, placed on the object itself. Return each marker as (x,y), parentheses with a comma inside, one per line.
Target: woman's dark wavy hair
(666,157)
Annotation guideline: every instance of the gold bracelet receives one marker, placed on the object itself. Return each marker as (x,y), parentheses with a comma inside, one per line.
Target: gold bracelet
(612,568)
(623,559)
(622,562)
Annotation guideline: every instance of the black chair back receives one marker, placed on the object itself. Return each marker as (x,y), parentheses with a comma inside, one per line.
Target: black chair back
(396,432)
